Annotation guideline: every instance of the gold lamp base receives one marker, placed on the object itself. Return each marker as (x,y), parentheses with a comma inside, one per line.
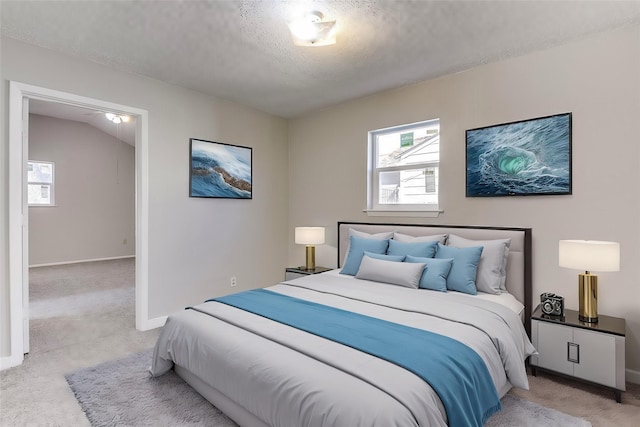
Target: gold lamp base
(588,297)
(311,258)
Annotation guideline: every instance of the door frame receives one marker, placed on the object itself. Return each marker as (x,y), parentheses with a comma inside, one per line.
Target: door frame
(19,94)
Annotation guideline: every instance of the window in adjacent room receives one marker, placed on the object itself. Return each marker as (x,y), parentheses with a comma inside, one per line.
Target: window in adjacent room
(403,168)
(40,183)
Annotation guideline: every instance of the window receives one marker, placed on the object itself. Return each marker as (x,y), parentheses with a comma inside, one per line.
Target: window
(40,183)
(403,167)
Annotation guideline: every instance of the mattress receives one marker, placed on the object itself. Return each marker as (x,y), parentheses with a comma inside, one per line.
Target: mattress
(505,298)
(286,377)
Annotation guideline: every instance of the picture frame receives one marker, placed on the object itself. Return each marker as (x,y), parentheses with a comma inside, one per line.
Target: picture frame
(219,170)
(522,158)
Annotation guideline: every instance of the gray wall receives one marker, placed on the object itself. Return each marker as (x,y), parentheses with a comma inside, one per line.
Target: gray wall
(597,79)
(94,210)
(195,245)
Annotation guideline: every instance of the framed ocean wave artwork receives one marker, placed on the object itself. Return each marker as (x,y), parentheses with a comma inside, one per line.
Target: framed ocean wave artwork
(528,157)
(219,170)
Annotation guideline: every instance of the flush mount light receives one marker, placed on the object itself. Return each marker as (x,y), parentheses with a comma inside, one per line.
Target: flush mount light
(313,30)
(117,119)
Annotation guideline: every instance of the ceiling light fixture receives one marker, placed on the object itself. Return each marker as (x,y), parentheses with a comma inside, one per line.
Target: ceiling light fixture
(117,119)
(312,30)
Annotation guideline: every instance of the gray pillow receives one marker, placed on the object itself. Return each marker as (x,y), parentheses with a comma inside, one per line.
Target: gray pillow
(492,268)
(412,239)
(378,236)
(396,273)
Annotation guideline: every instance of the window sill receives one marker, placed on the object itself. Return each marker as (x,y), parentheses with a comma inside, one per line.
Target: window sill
(404,213)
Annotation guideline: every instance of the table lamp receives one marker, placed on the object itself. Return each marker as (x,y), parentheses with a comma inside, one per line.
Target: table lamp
(589,255)
(310,236)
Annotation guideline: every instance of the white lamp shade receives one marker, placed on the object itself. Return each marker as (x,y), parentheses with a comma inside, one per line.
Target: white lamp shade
(309,235)
(589,255)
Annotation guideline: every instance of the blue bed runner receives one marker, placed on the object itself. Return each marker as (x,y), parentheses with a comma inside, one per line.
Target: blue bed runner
(456,372)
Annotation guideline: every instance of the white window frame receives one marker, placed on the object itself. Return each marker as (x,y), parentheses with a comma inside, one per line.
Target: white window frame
(51,184)
(374,208)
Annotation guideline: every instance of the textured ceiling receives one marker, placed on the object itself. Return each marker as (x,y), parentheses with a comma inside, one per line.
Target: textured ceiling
(242,51)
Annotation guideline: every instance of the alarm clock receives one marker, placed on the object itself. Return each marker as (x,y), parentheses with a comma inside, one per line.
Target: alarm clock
(552,304)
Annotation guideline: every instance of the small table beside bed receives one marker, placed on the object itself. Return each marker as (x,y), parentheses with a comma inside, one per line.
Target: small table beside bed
(421,325)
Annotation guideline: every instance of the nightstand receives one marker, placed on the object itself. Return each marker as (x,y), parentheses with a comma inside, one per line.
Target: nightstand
(593,352)
(295,272)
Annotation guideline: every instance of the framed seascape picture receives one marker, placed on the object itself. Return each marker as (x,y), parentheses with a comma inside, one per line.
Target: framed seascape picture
(529,157)
(219,170)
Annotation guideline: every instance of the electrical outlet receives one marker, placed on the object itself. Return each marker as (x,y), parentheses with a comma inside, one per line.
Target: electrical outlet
(124,241)
(234,281)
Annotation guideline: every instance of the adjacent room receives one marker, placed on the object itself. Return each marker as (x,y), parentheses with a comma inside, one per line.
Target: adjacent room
(81,198)
(338,192)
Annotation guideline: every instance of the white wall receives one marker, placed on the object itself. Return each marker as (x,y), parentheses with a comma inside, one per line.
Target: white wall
(195,245)
(94,210)
(597,79)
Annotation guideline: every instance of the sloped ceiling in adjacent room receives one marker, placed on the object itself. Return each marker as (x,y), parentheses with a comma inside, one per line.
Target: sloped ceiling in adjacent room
(123,131)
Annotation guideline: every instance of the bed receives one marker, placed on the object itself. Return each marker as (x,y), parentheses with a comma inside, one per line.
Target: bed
(286,355)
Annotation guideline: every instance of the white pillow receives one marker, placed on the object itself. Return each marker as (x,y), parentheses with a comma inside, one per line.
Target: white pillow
(396,273)
(492,268)
(410,239)
(377,236)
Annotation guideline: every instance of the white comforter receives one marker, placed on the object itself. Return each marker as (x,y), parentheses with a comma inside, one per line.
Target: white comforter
(287,377)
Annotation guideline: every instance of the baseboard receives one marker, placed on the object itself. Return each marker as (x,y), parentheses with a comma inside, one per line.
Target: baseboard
(154,323)
(632,376)
(10,361)
(81,261)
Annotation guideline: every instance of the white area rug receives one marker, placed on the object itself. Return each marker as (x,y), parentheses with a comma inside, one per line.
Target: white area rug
(122,393)
(524,413)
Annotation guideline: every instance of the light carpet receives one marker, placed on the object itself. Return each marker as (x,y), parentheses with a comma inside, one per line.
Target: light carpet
(122,393)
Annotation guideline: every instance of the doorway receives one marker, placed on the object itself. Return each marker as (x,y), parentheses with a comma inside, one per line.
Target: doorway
(81,204)
(20,95)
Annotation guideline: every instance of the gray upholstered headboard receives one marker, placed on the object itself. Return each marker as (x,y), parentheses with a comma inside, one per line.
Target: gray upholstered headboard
(518,265)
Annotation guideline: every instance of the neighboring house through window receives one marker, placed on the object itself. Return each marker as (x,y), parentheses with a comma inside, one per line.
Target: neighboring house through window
(403,168)
(40,183)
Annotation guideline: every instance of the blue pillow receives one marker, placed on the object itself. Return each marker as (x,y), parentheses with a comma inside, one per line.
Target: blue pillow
(462,277)
(357,248)
(435,274)
(396,258)
(422,249)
